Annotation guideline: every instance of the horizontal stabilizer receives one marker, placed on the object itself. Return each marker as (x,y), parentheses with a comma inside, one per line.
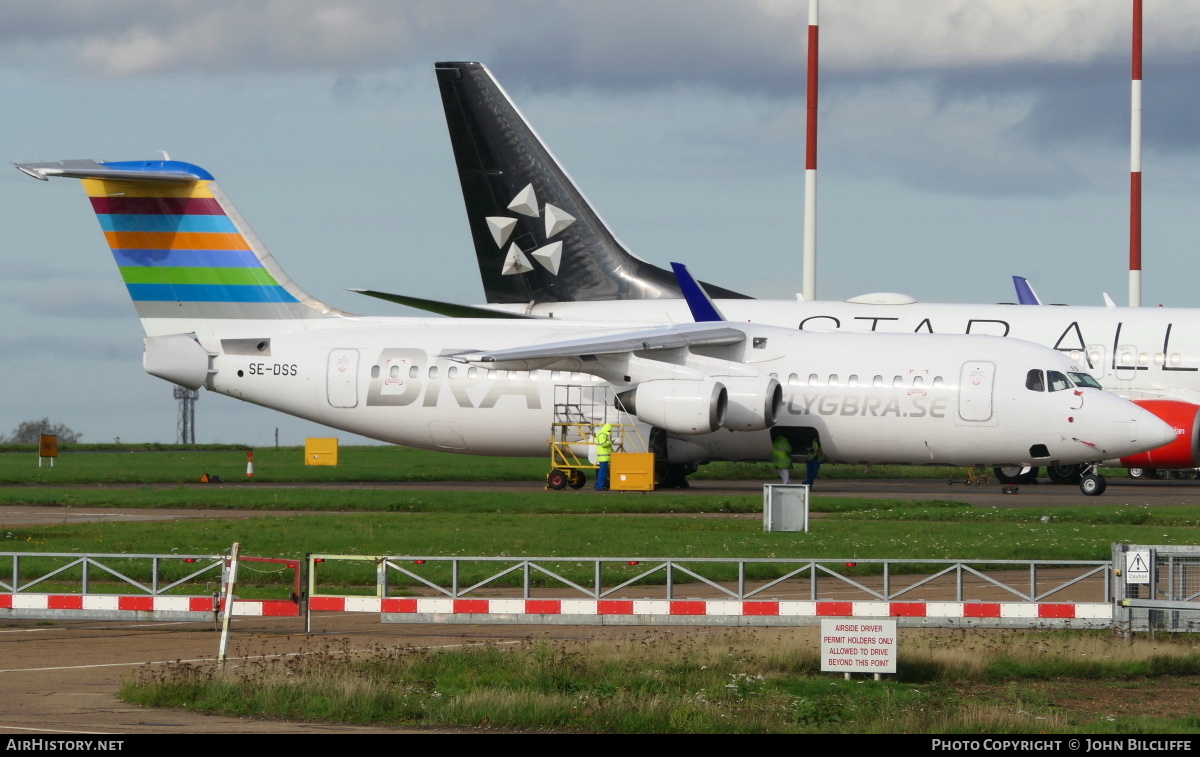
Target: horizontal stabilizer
(450,309)
(132,170)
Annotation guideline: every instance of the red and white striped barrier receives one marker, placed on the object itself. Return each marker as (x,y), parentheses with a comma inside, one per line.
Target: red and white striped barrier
(114,603)
(719,610)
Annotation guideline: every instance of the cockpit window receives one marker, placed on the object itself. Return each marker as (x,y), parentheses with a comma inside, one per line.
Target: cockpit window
(1058,381)
(1035,381)
(1085,379)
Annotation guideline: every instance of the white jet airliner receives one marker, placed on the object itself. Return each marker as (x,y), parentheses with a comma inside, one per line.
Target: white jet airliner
(543,250)
(219,312)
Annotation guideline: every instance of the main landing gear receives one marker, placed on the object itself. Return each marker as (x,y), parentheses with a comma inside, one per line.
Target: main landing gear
(1015,474)
(1086,475)
(1065,474)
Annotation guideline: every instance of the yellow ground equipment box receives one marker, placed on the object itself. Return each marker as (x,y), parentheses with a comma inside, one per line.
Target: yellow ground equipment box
(318,451)
(631,472)
(580,411)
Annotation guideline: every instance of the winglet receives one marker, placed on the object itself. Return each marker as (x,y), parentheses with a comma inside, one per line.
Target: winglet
(1025,293)
(698,301)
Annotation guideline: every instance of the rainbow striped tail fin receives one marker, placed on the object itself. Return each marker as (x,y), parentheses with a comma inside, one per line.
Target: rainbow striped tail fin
(190,261)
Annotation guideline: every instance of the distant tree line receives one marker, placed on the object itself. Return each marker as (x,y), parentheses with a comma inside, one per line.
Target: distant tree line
(30,432)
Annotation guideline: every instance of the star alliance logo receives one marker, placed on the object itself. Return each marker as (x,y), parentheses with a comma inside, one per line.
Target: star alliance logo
(548,255)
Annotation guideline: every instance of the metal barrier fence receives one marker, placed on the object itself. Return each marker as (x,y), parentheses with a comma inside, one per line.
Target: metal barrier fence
(1166,594)
(762,591)
(60,585)
(1143,588)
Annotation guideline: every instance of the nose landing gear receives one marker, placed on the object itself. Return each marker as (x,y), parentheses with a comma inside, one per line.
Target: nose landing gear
(1091,482)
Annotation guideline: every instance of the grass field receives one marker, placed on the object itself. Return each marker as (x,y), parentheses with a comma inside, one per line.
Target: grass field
(696,681)
(165,464)
(700,682)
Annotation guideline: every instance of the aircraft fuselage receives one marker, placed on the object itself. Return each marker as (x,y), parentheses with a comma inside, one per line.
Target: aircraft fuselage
(870,398)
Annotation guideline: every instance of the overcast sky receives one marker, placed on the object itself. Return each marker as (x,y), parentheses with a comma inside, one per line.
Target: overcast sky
(962,141)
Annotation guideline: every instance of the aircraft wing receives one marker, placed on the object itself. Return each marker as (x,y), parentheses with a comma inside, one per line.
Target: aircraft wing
(649,340)
(443,308)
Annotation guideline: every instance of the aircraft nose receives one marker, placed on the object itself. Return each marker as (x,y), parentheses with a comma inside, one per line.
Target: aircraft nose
(1152,430)
(1128,429)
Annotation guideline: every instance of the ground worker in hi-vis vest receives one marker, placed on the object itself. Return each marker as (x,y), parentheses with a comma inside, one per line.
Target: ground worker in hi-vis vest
(813,464)
(603,455)
(783,458)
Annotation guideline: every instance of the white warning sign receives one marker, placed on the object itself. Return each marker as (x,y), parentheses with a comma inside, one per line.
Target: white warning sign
(1137,567)
(858,646)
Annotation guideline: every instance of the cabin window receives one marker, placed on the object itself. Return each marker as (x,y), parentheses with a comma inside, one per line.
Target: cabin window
(793,380)
(556,375)
(595,379)
(853,380)
(877,381)
(898,382)
(918,381)
(938,382)
(491,374)
(533,375)
(1035,381)
(452,372)
(1159,358)
(1057,381)
(576,376)
(1126,358)
(813,379)
(394,372)
(374,371)
(833,380)
(414,372)
(759,343)
(1077,355)
(433,371)
(1143,359)
(512,375)
(1176,358)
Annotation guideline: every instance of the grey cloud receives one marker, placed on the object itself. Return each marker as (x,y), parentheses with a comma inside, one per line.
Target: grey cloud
(555,44)
(77,349)
(46,290)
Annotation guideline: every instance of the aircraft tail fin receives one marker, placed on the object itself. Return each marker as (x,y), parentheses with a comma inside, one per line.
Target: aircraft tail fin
(537,238)
(187,256)
(1025,293)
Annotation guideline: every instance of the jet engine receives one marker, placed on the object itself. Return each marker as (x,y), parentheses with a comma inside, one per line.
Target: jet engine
(754,402)
(1184,417)
(679,406)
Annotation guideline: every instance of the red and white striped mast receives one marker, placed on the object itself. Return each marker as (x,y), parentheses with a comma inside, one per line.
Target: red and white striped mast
(1135,165)
(810,163)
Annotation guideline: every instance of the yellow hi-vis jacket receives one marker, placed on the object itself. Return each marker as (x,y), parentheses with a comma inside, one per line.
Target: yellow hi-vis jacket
(783,452)
(604,443)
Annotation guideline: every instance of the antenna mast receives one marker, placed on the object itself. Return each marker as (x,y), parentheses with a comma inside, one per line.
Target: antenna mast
(810,163)
(186,427)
